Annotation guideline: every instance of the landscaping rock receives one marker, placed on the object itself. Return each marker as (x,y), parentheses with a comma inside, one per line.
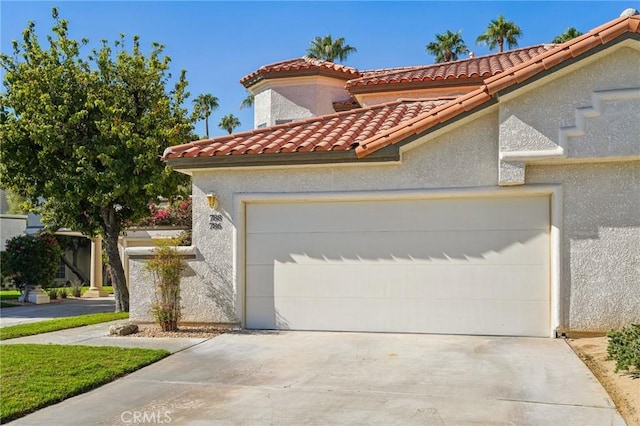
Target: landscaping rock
(123,329)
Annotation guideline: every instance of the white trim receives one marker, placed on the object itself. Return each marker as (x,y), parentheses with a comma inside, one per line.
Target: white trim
(546,154)
(150,251)
(14,216)
(240,200)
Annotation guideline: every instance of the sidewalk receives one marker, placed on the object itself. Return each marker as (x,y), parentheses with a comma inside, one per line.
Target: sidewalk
(90,335)
(98,335)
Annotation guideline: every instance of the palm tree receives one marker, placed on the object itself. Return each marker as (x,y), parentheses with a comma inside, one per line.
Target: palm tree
(203,106)
(569,34)
(248,101)
(327,49)
(499,31)
(447,47)
(228,123)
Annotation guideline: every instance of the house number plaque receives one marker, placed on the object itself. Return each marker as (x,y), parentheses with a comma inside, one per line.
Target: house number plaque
(215,221)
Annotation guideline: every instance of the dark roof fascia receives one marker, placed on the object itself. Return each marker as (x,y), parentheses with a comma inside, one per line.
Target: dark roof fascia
(390,153)
(412,85)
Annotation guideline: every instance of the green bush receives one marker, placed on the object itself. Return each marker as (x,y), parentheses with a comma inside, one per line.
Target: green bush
(32,260)
(53,293)
(63,293)
(166,266)
(76,288)
(624,347)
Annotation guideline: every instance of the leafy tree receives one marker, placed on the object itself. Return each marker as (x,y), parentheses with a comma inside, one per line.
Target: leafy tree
(447,47)
(229,122)
(203,106)
(328,49)
(569,34)
(248,101)
(32,260)
(16,203)
(498,31)
(82,137)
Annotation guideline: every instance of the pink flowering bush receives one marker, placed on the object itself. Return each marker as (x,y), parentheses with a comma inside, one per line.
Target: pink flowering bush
(177,214)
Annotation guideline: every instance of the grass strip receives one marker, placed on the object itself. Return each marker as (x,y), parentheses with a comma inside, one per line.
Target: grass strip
(9,294)
(21,330)
(35,376)
(7,305)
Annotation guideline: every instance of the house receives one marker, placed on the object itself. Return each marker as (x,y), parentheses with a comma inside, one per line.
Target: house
(494,195)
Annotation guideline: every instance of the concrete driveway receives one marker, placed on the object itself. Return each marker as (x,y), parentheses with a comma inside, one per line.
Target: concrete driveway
(316,378)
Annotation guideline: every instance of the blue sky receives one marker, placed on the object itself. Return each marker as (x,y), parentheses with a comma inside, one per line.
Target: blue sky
(218,42)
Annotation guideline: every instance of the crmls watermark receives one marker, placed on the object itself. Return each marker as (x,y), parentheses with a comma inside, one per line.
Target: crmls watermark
(140,417)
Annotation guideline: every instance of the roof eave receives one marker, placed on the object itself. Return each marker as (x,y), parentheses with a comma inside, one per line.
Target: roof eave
(273,75)
(388,154)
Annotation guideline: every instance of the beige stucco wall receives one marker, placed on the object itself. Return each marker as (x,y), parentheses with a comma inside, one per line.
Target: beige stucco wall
(463,158)
(600,242)
(586,124)
(599,227)
(296,99)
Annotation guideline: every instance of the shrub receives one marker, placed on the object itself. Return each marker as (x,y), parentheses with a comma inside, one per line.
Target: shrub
(63,293)
(53,293)
(76,288)
(177,214)
(166,266)
(624,347)
(32,260)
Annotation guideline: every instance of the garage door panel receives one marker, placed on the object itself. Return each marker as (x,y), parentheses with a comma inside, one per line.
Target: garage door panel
(477,246)
(467,266)
(422,281)
(263,313)
(260,280)
(410,315)
(398,215)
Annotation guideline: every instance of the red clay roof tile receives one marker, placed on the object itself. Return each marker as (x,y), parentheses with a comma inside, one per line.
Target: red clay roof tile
(298,65)
(510,77)
(369,129)
(480,66)
(336,132)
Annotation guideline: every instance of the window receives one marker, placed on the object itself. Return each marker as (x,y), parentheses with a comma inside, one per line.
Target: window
(62,271)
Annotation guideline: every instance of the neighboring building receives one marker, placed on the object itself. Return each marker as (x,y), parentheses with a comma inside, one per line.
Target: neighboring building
(492,195)
(11,225)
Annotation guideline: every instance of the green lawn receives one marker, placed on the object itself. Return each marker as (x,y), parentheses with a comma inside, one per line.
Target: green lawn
(14,294)
(9,294)
(107,288)
(35,376)
(21,330)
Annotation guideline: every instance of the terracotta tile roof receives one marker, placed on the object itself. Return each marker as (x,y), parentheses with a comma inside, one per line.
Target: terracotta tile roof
(345,105)
(510,77)
(481,66)
(299,66)
(336,132)
(370,129)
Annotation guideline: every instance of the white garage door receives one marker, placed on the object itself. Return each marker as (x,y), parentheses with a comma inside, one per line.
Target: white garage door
(459,266)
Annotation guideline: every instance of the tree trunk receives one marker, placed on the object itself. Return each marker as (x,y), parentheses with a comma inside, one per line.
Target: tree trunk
(111,234)
(206,126)
(78,273)
(500,44)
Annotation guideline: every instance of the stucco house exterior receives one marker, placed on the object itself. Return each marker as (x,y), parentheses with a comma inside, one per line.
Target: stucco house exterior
(494,195)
